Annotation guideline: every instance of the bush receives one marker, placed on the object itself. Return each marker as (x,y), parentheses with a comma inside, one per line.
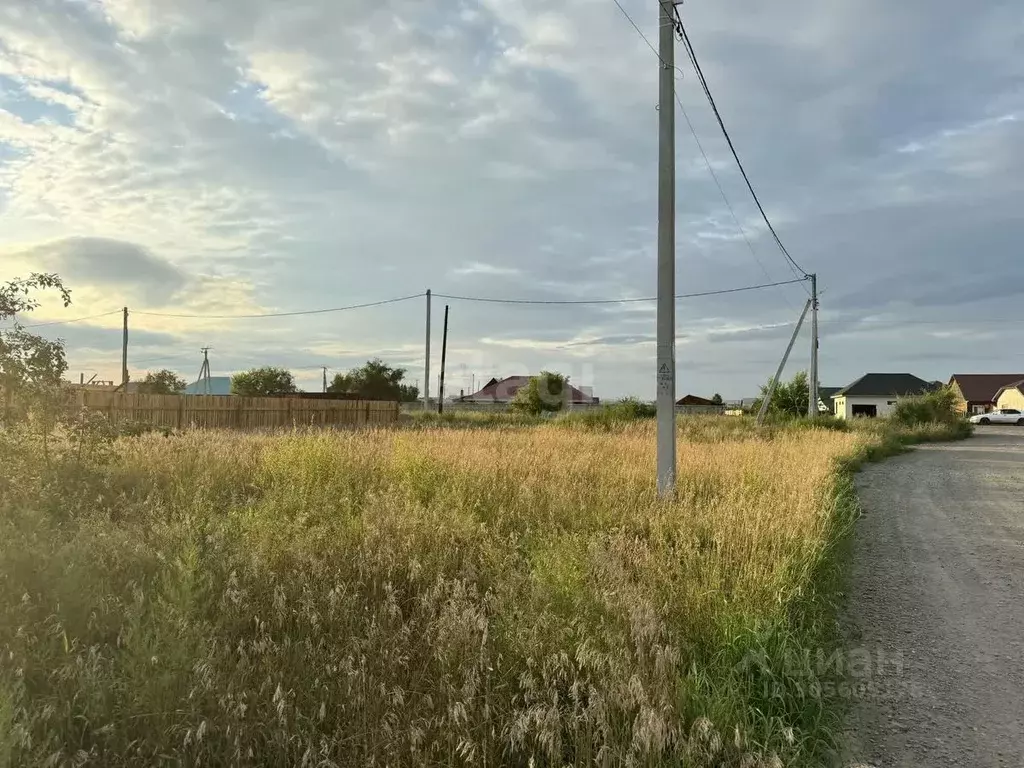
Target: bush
(631,408)
(546,393)
(163,382)
(935,407)
(610,416)
(267,381)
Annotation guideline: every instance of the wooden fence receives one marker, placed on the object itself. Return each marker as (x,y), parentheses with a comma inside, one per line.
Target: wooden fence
(234,412)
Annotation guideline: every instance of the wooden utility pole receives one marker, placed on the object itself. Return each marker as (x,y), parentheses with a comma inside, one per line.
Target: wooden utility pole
(444,355)
(325,377)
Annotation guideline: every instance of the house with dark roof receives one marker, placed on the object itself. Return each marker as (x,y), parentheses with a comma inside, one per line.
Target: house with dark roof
(1011,396)
(978,392)
(501,392)
(696,404)
(825,398)
(874,394)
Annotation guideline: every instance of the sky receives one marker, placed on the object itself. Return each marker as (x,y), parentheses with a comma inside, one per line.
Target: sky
(246,157)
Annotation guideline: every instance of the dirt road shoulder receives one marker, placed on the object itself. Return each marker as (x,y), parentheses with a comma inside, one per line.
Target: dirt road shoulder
(936,605)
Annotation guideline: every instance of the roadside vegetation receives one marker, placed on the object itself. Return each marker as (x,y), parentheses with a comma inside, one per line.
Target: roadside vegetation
(432,595)
(426,596)
(510,594)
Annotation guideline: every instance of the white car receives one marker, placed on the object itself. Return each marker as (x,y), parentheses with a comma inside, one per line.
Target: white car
(999,416)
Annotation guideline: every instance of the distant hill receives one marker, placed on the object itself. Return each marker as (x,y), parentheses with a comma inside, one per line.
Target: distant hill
(219,385)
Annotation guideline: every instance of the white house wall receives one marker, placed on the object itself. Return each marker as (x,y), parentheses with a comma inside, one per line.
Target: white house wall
(844,405)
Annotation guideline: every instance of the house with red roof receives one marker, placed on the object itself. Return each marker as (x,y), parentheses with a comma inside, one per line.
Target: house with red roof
(978,392)
(501,392)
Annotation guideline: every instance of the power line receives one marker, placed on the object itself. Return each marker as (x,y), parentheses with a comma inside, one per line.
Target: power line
(72,320)
(642,35)
(282,314)
(700,147)
(725,199)
(732,148)
(179,356)
(615,301)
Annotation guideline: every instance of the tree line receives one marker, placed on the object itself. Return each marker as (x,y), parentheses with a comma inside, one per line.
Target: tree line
(376,380)
(33,367)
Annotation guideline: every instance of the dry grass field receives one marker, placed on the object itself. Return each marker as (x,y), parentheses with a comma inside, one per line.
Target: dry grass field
(426,596)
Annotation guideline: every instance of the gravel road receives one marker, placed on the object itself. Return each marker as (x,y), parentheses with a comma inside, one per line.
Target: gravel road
(935,616)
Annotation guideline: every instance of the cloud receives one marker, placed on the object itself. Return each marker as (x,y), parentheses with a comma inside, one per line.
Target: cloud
(132,270)
(248,155)
(479,268)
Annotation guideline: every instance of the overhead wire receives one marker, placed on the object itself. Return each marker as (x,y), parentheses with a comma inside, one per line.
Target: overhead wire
(642,35)
(453,297)
(179,356)
(700,147)
(695,63)
(73,320)
(281,314)
(629,300)
(725,199)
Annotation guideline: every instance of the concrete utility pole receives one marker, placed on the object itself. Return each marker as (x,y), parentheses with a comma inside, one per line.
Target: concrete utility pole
(204,371)
(812,406)
(426,361)
(124,352)
(666,349)
(782,365)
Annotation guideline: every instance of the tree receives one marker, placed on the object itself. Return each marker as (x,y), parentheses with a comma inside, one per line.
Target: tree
(163,382)
(375,381)
(716,399)
(263,382)
(30,365)
(542,394)
(790,399)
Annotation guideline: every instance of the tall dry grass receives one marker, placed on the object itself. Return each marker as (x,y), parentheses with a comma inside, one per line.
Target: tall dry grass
(425,597)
